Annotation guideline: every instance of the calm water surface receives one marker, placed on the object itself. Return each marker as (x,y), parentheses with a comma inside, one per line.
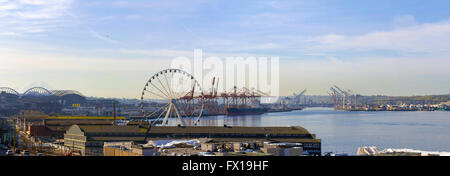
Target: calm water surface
(343,131)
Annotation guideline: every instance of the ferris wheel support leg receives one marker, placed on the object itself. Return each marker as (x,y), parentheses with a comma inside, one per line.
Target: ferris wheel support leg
(167,114)
(179,117)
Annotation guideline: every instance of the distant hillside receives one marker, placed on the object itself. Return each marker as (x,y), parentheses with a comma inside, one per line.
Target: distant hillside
(428,99)
(380,99)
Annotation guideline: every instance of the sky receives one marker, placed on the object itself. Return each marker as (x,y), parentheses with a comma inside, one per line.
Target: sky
(110,48)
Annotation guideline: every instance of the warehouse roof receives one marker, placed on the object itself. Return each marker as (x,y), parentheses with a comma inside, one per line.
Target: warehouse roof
(42,117)
(70,122)
(240,130)
(136,133)
(109,129)
(193,129)
(115,138)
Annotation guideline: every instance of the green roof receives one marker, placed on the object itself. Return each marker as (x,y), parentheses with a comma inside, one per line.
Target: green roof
(104,132)
(110,129)
(230,130)
(194,129)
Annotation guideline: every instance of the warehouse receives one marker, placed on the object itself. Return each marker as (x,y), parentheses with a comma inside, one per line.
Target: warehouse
(89,139)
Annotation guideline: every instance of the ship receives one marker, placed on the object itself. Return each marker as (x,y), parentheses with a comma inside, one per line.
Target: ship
(235,111)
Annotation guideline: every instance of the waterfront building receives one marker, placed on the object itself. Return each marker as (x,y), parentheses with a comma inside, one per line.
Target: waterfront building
(89,139)
(128,149)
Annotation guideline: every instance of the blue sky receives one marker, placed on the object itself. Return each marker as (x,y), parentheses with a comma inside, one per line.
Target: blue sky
(109,48)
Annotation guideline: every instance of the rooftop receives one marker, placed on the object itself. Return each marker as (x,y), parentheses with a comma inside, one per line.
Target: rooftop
(109,129)
(136,133)
(194,129)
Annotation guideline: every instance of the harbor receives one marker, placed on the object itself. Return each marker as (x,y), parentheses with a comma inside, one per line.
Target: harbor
(63,122)
(224,87)
(343,132)
(68,123)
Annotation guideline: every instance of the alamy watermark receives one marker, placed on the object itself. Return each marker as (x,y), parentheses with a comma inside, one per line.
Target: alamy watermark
(261,73)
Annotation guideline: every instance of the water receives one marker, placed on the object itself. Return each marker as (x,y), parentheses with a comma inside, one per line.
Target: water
(343,131)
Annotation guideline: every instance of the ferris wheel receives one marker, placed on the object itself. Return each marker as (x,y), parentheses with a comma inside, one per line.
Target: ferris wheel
(172,93)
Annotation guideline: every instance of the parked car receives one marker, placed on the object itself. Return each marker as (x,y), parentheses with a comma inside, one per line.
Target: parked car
(4,147)
(206,154)
(249,151)
(9,153)
(26,153)
(39,154)
(17,151)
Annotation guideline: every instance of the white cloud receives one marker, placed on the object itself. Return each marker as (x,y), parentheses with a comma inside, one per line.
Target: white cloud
(425,38)
(265,46)
(32,16)
(158,52)
(171,53)
(98,36)
(405,20)
(23,59)
(369,76)
(331,38)
(91,75)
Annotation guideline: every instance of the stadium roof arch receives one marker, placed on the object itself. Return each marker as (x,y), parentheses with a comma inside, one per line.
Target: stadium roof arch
(37,92)
(9,91)
(61,93)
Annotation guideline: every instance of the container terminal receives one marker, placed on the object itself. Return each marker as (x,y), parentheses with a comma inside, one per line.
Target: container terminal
(348,100)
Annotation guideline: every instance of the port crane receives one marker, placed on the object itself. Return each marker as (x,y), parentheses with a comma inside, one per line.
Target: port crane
(353,94)
(335,95)
(346,97)
(297,98)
